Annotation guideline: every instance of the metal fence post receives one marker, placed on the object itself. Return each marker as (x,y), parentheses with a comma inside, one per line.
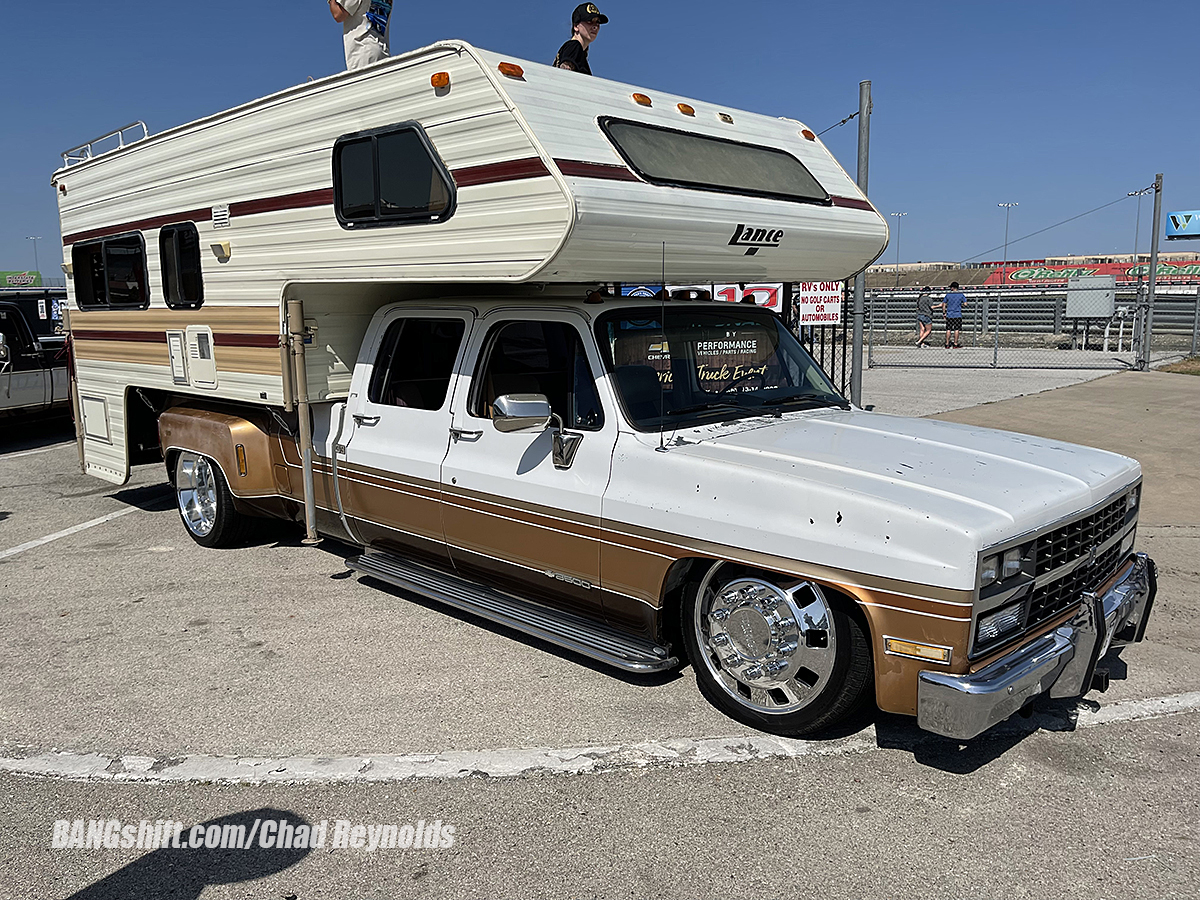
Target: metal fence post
(860,281)
(1196,322)
(1148,334)
(871,341)
(996,335)
(1058,314)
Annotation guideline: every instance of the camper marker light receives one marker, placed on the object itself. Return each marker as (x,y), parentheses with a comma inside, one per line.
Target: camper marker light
(808,135)
(726,118)
(686,110)
(440,79)
(240,449)
(642,100)
(932,652)
(512,70)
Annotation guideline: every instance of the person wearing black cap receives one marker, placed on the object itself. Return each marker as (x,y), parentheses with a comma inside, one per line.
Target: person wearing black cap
(586,22)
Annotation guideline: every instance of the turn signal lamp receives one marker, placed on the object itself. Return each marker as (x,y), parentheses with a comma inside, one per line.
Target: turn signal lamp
(440,79)
(912,649)
(512,70)
(240,449)
(642,100)
(808,135)
(999,623)
(686,110)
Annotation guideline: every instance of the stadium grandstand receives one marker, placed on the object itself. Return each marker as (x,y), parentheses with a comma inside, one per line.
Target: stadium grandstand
(1173,268)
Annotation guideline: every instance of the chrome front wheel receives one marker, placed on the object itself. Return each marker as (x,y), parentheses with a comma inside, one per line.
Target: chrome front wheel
(775,654)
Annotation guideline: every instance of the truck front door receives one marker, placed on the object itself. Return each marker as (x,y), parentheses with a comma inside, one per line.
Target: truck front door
(399,429)
(512,518)
(24,380)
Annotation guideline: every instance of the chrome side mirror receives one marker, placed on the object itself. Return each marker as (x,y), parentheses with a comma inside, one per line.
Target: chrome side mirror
(521,413)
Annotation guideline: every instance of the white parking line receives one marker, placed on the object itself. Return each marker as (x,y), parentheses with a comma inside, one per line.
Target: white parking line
(513,763)
(66,532)
(4,456)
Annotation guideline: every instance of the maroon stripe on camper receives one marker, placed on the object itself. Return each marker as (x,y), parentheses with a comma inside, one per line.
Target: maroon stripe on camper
(852,203)
(302,200)
(581,169)
(195,215)
(512,170)
(246,340)
(139,337)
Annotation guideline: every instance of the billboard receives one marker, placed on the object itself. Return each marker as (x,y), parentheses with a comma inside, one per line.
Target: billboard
(1179,271)
(20,279)
(1183,226)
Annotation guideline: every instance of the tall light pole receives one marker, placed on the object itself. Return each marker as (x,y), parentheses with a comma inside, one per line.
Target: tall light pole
(35,239)
(898,216)
(1008,208)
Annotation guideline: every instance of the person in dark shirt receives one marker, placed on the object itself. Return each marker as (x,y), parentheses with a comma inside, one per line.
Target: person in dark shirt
(585,22)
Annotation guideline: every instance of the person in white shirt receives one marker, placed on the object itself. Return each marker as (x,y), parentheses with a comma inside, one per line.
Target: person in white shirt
(366,29)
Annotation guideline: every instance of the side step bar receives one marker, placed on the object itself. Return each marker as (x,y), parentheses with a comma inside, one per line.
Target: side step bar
(593,640)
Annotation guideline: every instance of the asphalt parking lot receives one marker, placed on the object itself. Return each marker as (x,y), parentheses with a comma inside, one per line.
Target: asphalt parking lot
(167,672)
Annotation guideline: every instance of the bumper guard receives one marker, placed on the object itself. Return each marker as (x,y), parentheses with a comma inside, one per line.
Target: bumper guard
(1061,663)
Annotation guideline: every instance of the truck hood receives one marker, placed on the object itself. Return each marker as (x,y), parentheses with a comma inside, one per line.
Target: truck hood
(915,499)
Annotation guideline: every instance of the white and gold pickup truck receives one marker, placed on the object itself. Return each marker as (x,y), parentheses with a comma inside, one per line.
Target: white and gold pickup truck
(651,483)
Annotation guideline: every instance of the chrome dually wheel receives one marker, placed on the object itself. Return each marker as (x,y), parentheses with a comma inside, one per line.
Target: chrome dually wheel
(205,502)
(776,654)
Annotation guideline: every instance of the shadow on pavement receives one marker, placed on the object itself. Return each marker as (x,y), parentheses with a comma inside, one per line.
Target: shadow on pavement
(185,873)
(151,498)
(21,434)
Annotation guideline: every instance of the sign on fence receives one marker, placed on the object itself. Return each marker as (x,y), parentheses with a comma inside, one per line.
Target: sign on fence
(20,279)
(1182,226)
(818,302)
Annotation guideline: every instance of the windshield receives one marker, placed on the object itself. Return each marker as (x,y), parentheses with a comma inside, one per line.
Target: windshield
(680,365)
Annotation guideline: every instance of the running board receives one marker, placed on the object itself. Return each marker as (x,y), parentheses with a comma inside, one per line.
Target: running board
(595,641)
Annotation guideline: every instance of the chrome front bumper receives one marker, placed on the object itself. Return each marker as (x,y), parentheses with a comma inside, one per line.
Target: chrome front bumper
(1061,663)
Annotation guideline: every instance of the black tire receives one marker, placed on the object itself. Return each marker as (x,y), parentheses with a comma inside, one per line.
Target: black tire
(206,503)
(826,676)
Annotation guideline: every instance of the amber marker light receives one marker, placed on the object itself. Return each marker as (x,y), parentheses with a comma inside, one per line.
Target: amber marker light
(686,110)
(808,135)
(241,459)
(912,649)
(512,70)
(440,79)
(642,100)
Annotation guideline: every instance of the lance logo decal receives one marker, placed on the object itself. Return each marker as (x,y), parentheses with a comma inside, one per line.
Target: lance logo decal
(756,238)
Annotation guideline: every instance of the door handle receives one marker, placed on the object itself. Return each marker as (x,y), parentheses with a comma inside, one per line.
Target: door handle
(459,434)
(365,420)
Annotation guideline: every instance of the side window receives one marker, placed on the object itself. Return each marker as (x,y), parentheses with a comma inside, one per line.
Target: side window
(539,358)
(390,177)
(179,247)
(20,345)
(111,273)
(416,363)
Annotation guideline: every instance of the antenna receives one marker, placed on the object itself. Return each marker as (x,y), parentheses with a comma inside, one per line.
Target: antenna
(662,321)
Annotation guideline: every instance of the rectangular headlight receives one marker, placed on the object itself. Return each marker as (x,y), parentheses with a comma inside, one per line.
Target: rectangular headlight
(999,623)
(989,571)
(1131,499)
(1012,563)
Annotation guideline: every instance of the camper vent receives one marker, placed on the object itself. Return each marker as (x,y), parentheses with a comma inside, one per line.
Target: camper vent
(220,216)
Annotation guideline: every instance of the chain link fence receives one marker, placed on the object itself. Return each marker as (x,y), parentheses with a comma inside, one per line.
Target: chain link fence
(1029,329)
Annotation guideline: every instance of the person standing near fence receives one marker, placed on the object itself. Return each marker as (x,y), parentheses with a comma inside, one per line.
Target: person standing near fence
(925,307)
(953,305)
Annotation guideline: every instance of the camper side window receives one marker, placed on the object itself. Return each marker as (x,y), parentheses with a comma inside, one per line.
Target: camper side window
(390,176)
(179,248)
(111,273)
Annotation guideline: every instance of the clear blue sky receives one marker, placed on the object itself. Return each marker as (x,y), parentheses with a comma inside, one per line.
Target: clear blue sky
(1058,106)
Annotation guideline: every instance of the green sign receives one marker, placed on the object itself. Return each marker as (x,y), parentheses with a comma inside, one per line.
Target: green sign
(20,279)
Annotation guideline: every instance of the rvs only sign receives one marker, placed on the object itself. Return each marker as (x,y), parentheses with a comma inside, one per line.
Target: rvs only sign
(818,302)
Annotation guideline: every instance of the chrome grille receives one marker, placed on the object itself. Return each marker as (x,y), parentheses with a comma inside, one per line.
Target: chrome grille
(1069,543)
(1049,600)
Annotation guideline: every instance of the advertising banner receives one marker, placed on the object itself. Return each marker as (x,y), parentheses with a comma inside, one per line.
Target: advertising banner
(818,302)
(768,295)
(1126,273)
(1183,226)
(20,279)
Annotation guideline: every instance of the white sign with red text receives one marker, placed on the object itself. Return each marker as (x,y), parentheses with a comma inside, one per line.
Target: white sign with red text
(818,302)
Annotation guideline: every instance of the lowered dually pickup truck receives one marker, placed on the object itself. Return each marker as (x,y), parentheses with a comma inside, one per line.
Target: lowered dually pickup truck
(386,302)
(641,482)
